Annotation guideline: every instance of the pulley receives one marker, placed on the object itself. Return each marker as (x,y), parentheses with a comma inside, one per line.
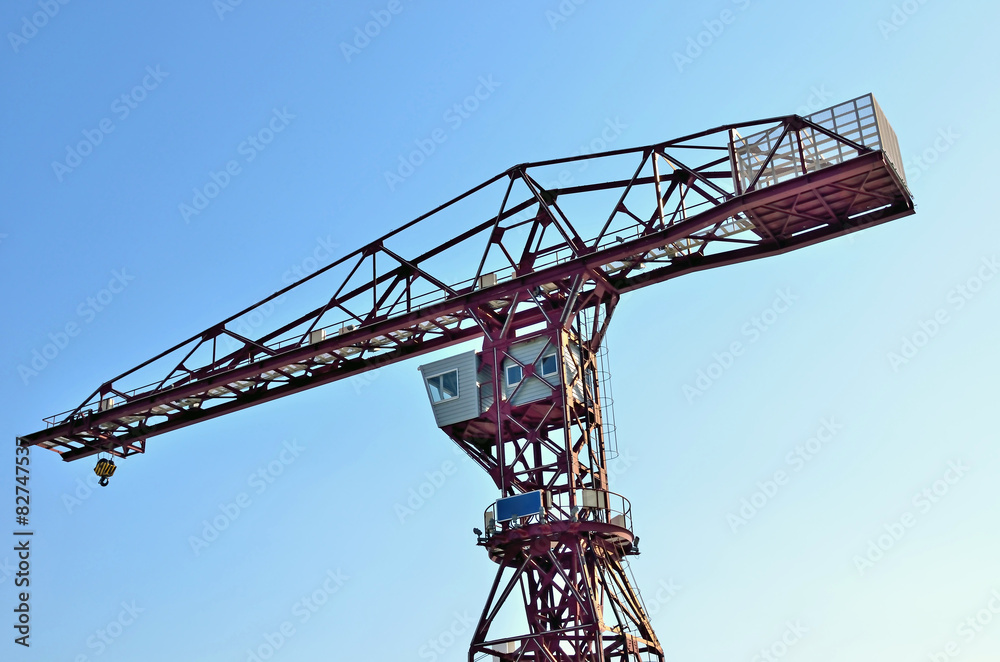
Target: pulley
(105,469)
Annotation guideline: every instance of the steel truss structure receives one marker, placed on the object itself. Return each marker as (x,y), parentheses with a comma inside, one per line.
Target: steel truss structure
(576,603)
(556,245)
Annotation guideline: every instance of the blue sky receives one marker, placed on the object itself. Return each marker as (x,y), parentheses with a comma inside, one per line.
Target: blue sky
(317,561)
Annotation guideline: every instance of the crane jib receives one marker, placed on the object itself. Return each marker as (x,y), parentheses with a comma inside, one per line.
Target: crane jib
(684,205)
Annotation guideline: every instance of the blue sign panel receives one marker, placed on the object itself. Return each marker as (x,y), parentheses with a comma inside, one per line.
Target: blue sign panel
(520,505)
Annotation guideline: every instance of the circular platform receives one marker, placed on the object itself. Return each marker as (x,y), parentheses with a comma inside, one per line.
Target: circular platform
(512,545)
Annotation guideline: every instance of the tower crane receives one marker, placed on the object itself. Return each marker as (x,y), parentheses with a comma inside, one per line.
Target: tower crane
(540,257)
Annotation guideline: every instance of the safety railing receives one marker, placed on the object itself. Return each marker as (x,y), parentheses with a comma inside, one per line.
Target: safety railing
(585,505)
(829,137)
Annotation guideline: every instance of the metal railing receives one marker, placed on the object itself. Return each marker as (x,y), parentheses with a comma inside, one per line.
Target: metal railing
(789,147)
(825,140)
(586,506)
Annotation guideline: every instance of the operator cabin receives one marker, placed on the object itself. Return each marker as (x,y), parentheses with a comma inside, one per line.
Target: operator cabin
(460,388)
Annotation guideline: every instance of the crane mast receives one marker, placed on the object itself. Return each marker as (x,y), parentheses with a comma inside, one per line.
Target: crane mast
(565,549)
(537,279)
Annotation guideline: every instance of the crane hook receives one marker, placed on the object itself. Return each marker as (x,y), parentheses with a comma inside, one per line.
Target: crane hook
(105,469)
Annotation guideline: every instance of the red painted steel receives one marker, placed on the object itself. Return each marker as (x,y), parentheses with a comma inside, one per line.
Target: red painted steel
(644,215)
(560,243)
(568,563)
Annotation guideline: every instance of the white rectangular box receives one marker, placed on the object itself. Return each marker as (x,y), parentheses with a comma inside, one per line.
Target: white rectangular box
(594,499)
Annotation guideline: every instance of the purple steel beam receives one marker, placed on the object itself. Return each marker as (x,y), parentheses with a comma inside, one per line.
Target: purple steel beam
(839,193)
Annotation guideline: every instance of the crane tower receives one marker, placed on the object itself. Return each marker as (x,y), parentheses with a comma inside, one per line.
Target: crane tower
(557,532)
(535,262)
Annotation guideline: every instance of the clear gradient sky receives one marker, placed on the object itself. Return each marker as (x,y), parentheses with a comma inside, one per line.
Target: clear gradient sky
(318,548)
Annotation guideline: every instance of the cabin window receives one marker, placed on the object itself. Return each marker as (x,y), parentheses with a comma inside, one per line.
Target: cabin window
(514,375)
(549,365)
(443,387)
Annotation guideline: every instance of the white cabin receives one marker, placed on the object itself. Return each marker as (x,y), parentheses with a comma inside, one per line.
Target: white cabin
(460,389)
